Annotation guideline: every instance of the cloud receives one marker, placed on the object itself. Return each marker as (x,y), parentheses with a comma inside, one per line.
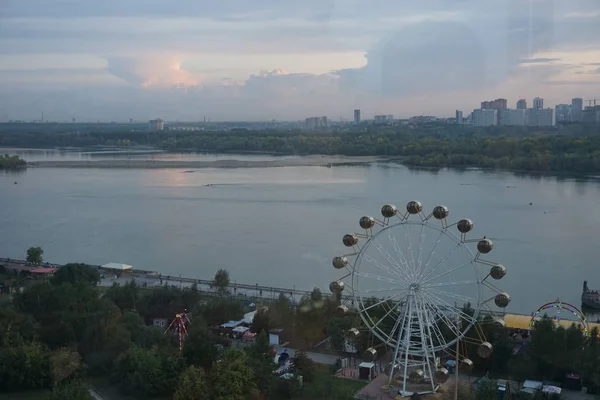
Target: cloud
(146,58)
(151,71)
(539,60)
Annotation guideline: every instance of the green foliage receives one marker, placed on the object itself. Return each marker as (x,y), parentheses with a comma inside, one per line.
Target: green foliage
(162,302)
(574,148)
(304,366)
(193,385)
(218,311)
(76,274)
(64,364)
(35,255)
(199,347)
(487,389)
(24,367)
(261,360)
(70,390)
(221,281)
(125,296)
(261,321)
(11,162)
(147,372)
(233,379)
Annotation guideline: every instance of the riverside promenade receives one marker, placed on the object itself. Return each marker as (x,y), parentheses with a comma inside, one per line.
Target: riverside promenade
(155,279)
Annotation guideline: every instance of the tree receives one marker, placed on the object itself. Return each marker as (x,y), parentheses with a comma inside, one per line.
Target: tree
(126,296)
(232,379)
(304,366)
(24,367)
(487,389)
(76,274)
(193,385)
(64,364)
(261,321)
(199,347)
(260,359)
(70,390)
(221,281)
(147,372)
(35,255)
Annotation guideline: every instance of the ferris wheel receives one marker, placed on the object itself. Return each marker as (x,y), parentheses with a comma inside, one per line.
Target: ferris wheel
(409,276)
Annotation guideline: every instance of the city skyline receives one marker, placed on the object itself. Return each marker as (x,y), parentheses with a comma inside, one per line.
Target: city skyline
(287,61)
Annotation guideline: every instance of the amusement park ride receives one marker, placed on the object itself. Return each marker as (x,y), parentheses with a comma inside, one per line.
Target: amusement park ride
(178,326)
(406,278)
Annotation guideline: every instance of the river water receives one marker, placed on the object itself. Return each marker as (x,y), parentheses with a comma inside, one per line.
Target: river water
(282,226)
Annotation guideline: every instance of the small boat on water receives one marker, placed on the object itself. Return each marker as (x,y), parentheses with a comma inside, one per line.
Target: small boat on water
(590,298)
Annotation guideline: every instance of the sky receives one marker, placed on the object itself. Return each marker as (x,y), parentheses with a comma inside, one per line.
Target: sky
(257,60)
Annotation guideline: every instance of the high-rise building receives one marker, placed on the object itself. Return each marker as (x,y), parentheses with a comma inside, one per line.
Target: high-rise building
(314,123)
(538,103)
(540,116)
(498,105)
(380,119)
(459,117)
(484,117)
(521,104)
(512,117)
(577,109)
(591,114)
(390,118)
(157,124)
(357,116)
(562,112)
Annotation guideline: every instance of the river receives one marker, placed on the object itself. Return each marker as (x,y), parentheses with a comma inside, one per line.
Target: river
(282,226)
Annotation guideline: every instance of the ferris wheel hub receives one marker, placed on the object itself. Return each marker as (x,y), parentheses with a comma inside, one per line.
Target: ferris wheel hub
(414,288)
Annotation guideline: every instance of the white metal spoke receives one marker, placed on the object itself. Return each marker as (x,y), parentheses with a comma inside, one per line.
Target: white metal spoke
(393,273)
(450,284)
(382,290)
(376,277)
(442,261)
(401,258)
(381,302)
(456,331)
(452,295)
(420,253)
(432,252)
(451,307)
(448,272)
(409,250)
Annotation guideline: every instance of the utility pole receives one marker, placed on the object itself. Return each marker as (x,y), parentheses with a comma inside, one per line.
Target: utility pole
(457,353)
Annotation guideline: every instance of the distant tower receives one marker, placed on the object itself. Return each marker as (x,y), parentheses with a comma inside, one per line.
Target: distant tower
(357,116)
(522,104)
(73,120)
(577,109)
(538,103)
(459,117)
(157,124)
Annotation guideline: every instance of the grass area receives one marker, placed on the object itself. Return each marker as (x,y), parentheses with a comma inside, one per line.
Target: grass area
(34,395)
(328,387)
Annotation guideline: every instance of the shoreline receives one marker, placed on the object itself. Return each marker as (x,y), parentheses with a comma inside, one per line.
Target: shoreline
(307,161)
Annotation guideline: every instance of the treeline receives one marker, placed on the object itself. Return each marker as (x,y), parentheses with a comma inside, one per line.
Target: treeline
(434,146)
(11,162)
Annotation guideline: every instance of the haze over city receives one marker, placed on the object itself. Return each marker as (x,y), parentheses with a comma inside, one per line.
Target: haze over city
(288,60)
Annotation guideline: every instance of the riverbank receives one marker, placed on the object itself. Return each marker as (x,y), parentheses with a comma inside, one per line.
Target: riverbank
(308,161)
